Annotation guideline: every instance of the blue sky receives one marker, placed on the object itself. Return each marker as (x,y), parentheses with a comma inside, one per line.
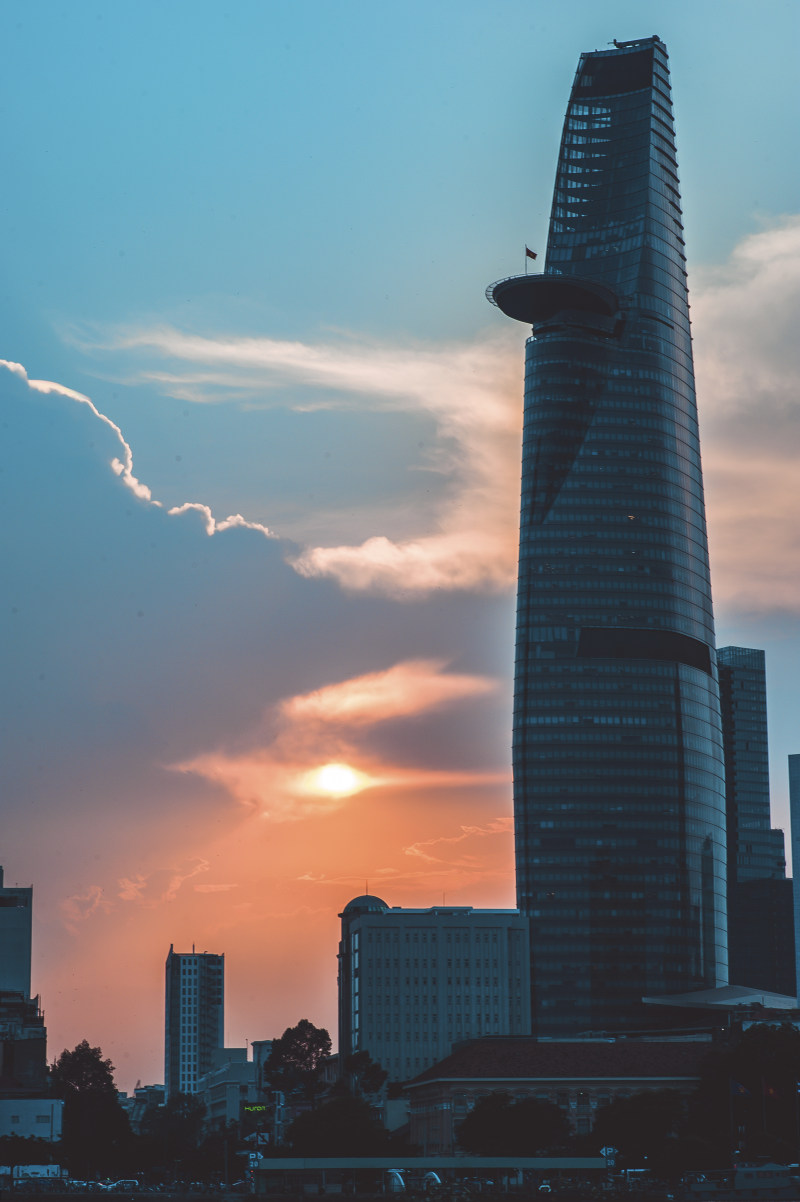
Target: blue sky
(256,237)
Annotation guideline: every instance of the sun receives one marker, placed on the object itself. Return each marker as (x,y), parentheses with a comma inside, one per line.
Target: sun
(338,780)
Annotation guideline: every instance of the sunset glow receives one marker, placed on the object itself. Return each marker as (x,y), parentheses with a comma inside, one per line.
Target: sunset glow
(339,780)
(262,452)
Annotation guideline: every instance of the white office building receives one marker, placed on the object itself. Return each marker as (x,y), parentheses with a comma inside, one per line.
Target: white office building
(412,982)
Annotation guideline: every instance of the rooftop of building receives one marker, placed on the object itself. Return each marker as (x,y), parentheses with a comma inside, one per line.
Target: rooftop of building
(509,1059)
(367,903)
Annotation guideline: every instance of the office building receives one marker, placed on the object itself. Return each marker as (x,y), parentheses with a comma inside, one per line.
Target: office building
(412,982)
(16,909)
(195,986)
(26,1109)
(619,797)
(760,920)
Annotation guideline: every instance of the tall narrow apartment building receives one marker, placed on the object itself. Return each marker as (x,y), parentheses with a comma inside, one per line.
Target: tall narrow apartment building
(619,795)
(194,1022)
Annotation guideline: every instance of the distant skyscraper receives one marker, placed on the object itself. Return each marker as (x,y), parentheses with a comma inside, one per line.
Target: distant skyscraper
(194,1026)
(16,908)
(414,982)
(760,921)
(794,811)
(619,796)
(755,850)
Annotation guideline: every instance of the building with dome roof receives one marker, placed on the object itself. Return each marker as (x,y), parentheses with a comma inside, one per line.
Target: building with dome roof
(413,982)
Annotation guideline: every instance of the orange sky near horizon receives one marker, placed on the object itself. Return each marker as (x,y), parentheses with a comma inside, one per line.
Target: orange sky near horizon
(267,895)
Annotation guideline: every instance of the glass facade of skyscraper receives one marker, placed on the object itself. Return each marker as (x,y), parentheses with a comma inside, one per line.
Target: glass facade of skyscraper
(619,792)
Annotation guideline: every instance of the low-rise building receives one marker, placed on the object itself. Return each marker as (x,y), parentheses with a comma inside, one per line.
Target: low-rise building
(578,1075)
(31,1118)
(229,1085)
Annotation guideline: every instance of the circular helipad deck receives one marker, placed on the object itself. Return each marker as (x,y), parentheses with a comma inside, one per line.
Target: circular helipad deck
(536,298)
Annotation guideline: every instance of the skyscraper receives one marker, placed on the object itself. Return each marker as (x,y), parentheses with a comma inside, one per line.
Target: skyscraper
(619,796)
(794,817)
(760,920)
(194,1020)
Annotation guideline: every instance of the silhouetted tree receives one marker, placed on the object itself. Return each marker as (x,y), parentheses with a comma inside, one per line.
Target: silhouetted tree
(365,1074)
(20,1149)
(171,1135)
(344,1126)
(297,1057)
(96,1138)
(747,1099)
(499,1126)
(643,1128)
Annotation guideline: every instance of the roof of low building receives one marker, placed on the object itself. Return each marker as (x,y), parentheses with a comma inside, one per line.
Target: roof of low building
(726,997)
(511,1059)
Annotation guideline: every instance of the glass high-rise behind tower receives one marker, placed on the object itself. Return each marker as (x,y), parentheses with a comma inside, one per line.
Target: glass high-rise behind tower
(619,796)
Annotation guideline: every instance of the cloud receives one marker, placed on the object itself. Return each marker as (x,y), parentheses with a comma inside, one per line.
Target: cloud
(123,467)
(80,906)
(748,365)
(397,692)
(499,826)
(748,370)
(282,780)
(472,392)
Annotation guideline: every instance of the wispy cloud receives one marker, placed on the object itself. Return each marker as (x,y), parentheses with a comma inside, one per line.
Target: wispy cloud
(498,826)
(162,885)
(122,464)
(472,391)
(80,906)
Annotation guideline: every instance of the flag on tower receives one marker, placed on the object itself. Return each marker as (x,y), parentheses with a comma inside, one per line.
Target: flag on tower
(531,254)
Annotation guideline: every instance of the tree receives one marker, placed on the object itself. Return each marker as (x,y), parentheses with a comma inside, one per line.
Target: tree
(297,1058)
(499,1126)
(83,1071)
(21,1149)
(96,1136)
(747,1100)
(344,1126)
(365,1074)
(642,1127)
(171,1134)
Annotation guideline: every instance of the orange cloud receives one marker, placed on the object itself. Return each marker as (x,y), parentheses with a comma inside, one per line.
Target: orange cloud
(284,781)
(80,906)
(398,692)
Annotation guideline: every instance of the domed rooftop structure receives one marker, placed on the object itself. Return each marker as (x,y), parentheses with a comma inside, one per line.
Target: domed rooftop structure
(367,903)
